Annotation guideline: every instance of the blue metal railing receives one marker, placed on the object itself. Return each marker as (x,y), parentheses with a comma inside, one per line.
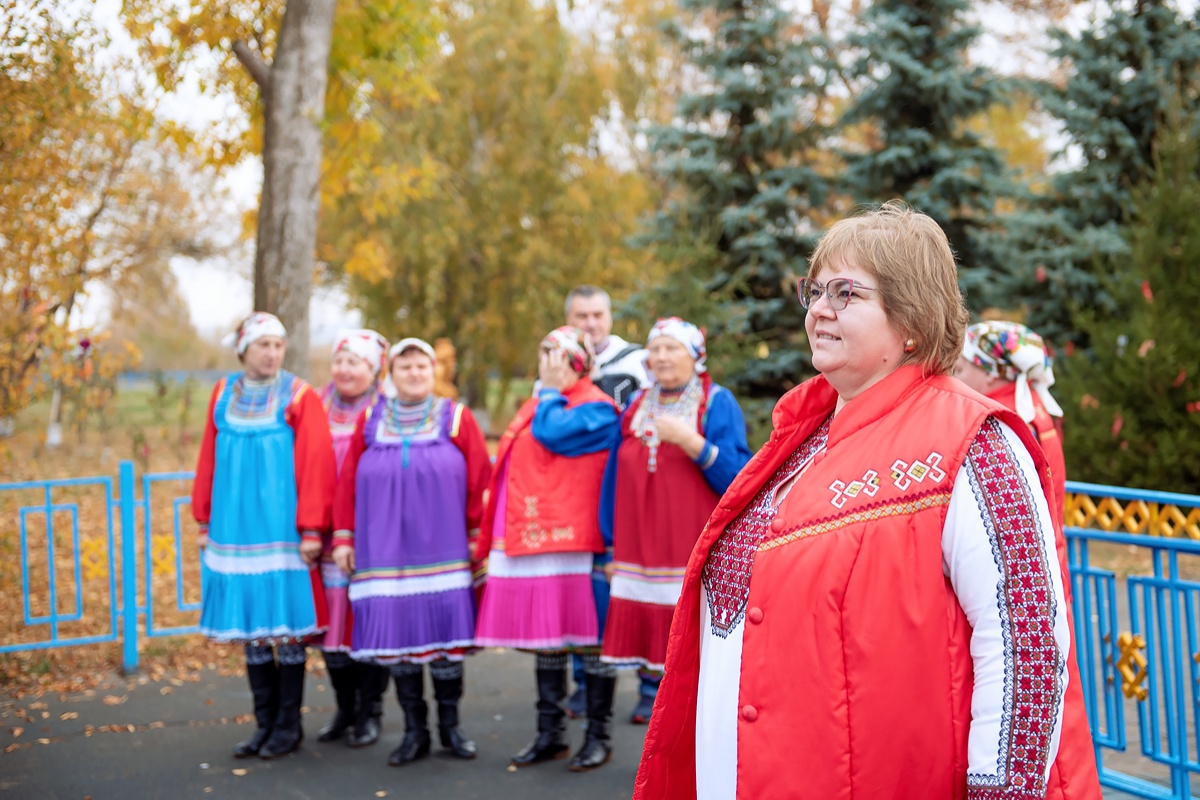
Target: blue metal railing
(47,510)
(1138,650)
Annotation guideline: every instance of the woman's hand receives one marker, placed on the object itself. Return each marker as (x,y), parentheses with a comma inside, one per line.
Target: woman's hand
(202,541)
(310,551)
(554,371)
(672,430)
(609,569)
(343,556)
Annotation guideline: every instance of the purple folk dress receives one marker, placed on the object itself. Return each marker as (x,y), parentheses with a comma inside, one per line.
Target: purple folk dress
(411,590)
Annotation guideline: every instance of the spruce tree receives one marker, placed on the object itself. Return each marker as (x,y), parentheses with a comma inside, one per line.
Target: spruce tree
(1132,401)
(917,94)
(1119,77)
(741,166)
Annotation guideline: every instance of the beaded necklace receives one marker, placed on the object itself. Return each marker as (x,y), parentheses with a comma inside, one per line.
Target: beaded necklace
(408,419)
(344,412)
(682,402)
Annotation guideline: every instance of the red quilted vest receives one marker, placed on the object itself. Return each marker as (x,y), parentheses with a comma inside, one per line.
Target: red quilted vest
(553,501)
(856,673)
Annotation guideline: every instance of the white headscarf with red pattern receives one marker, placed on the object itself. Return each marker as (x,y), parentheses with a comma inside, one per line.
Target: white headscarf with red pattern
(366,344)
(255,326)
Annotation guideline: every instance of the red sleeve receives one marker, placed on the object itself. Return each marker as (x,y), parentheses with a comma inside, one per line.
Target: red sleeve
(316,470)
(205,463)
(467,436)
(343,498)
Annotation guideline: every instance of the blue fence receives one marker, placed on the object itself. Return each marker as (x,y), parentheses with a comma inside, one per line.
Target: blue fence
(110,546)
(1134,559)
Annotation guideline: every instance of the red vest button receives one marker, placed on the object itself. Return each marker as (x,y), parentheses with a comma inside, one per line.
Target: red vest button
(749,713)
(755,615)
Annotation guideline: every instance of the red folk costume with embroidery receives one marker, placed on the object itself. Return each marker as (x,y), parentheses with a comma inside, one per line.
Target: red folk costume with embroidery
(659,513)
(553,501)
(540,531)
(854,662)
(1048,436)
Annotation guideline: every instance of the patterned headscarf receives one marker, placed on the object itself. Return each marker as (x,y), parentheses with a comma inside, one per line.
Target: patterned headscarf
(578,346)
(1013,352)
(366,344)
(686,334)
(253,328)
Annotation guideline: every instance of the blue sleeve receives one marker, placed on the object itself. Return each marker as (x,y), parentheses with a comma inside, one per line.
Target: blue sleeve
(608,490)
(586,428)
(725,448)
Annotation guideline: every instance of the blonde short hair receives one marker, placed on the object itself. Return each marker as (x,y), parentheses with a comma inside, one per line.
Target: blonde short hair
(908,256)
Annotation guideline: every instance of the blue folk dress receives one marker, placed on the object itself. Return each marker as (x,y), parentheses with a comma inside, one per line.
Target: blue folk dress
(257,588)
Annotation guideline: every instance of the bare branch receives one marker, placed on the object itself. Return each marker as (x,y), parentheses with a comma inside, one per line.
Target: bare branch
(258,69)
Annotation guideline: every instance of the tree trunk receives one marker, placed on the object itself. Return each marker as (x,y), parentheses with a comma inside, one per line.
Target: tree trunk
(294,98)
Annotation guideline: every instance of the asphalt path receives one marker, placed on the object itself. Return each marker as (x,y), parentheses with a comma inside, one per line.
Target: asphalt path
(133,740)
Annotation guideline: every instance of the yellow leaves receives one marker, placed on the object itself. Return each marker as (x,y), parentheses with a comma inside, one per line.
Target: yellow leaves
(368,261)
(1008,128)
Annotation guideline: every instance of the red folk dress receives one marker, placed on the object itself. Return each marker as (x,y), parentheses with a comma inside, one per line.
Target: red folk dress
(659,516)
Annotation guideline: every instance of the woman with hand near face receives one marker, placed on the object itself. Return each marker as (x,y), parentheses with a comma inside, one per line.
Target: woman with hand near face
(358,357)
(540,536)
(876,607)
(409,499)
(262,496)
(682,441)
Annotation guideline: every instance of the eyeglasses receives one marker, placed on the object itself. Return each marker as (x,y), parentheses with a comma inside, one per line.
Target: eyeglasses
(839,291)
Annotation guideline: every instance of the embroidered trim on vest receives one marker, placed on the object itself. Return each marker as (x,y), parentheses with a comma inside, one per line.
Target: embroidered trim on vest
(1033,665)
(909,506)
(726,574)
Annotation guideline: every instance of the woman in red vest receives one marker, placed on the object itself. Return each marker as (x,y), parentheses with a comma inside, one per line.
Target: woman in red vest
(540,534)
(1008,362)
(877,607)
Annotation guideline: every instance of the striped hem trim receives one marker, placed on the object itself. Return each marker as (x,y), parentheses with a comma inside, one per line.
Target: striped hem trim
(631,663)
(280,634)
(408,587)
(651,574)
(582,643)
(427,571)
(864,515)
(457,420)
(431,650)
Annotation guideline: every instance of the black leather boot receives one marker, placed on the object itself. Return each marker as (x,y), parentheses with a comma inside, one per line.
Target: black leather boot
(264,687)
(343,680)
(448,692)
(410,689)
(380,678)
(370,702)
(287,734)
(551,741)
(597,742)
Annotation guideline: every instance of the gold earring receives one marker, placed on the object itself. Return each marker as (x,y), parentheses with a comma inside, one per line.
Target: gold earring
(910,346)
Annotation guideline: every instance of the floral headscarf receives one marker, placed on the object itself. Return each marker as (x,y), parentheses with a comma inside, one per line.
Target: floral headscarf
(686,334)
(366,344)
(253,328)
(1010,351)
(581,355)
